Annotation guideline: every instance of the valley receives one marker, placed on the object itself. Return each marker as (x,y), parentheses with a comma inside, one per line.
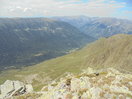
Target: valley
(27,41)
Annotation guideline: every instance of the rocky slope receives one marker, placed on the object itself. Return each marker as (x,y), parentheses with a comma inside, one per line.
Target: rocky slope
(91,84)
(26,41)
(99,27)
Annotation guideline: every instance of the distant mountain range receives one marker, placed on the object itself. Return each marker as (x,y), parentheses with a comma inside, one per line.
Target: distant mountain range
(115,51)
(26,41)
(99,27)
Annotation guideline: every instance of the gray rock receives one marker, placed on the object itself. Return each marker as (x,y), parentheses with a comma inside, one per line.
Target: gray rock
(29,88)
(14,88)
(7,88)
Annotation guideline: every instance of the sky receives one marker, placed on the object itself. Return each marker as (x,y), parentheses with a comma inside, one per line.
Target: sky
(48,8)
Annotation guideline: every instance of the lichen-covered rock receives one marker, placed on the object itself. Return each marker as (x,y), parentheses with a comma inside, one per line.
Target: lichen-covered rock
(92,84)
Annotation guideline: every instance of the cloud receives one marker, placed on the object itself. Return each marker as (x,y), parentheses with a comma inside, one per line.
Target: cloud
(18,7)
(128,12)
(26,9)
(23,8)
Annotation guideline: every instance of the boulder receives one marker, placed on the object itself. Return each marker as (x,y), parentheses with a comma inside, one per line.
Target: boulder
(29,88)
(95,92)
(14,88)
(75,84)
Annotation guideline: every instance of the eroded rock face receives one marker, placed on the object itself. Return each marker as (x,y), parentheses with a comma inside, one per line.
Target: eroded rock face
(14,88)
(91,84)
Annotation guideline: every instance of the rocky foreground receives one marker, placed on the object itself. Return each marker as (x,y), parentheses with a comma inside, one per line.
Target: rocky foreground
(91,84)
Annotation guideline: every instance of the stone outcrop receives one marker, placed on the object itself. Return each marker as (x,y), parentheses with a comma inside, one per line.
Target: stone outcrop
(14,88)
(91,84)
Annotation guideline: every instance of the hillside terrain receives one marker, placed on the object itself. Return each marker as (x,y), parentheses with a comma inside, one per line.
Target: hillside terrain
(99,27)
(27,41)
(115,51)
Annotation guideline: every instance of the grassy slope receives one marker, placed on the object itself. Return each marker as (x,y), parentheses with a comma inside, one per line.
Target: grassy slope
(115,52)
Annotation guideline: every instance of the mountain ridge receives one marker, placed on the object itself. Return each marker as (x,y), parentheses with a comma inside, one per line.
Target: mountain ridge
(99,27)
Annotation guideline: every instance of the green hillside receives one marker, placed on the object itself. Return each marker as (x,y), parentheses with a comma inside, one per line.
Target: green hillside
(115,51)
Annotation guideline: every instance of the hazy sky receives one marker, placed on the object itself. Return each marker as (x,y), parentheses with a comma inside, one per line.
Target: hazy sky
(40,8)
